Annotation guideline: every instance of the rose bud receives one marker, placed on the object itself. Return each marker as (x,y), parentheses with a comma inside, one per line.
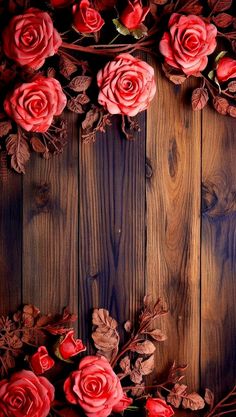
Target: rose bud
(61,3)
(86,19)
(41,362)
(133,15)
(226,69)
(158,408)
(69,346)
(122,404)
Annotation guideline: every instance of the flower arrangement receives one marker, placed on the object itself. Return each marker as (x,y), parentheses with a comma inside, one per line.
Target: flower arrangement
(46,373)
(47,65)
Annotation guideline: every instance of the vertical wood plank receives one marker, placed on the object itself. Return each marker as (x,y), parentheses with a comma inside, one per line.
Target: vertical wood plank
(10,242)
(173,221)
(50,234)
(218,351)
(112,225)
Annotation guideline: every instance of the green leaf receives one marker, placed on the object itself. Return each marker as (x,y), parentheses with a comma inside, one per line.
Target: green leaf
(141,31)
(220,55)
(211,74)
(120,28)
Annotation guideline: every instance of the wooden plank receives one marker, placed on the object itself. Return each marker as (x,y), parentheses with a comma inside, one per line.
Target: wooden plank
(10,242)
(112,225)
(173,222)
(218,353)
(50,234)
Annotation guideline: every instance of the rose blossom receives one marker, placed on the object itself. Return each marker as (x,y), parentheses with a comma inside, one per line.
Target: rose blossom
(86,19)
(158,408)
(126,84)
(122,404)
(133,14)
(69,347)
(33,105)
(41,362)
(30,38)
(226,69)
(95,387)
(61,3)
(188,43)
(25,394)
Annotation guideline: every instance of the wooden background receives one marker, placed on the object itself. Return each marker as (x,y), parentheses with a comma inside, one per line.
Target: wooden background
(106,223)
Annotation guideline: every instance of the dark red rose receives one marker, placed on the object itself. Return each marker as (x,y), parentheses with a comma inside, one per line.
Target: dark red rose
(134,14)
(61,3)
(226,69)
(69,346)
(41,362)
(86,19)
(158,408)
(104,4)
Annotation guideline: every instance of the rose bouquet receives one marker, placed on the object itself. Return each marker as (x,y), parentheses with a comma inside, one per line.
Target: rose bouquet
(47,65)
(45,371)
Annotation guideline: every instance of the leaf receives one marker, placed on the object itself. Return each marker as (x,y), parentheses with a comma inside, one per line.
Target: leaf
(138,391)
(200,98)
(192,8)
(147,366)
(231,111)
(209,398)
(18,148)
(125,365)
(102,318)
(83,99)
(120,28)
(232,86)
(128,326)
(220,5)
(173,75)
(222,20)
(51,72)
(175,396)
(5,128)
(211,75)
(37,145)
(67,67)
(139,32)
(221,105)
(104,342)
(92,117)
(136,377)
(193,401)
(80,83)
(220,55)
(157,335)
(74,106)
(143,348)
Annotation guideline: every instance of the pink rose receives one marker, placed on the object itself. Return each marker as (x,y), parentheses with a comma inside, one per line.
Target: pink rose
(25,394)
(30,38)
(69,346)
(226,69)
(41,362)
(122,404)
(188,43)
(33,105)
(133,14)
(158,408)
(95,387)
(86,19)
(126,84)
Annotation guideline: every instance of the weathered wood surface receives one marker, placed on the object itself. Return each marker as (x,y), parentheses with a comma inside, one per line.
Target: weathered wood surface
(137,228)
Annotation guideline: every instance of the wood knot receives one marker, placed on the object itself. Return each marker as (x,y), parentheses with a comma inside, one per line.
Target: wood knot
(173,157)
(209,197)
(148,169)
(42,198)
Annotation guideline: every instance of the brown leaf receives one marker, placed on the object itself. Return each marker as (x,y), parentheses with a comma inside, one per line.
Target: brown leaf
(138,391)
(222,20)
(37,145)
(192,8)
(200,98)
(143,348)
(209,398)
(15,342)
(136,376)
(231,111)
(74,106)
(221,105)
(157,335)
(232,86)
(193,401)
(51,72)
(105,342)
(144,367)
(128,326)
(80,83)
(18,148)
(219,5)
(173,75)
(102,318)
(125,365)
(175,396)
(67,67)
(92,116)
(5,128)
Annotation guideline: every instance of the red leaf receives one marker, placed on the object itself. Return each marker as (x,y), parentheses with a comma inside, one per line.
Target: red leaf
(221,105)
(223,20)
(80,83)
(219,5)
(18,148)
(200,98)
(37,145)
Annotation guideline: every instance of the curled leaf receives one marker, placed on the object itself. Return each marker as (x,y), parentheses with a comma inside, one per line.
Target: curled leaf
(125,365)
(193,401)
(157,335)
(143,348)
(209,398)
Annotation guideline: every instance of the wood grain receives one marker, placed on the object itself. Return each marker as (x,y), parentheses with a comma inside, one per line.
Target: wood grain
(10,242)
(218,266)
(173,222)
(50,233)
(112,225)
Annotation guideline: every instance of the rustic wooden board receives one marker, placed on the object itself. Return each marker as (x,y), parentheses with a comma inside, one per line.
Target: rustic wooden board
(50,229)
(10,242)
(112,225)
(218,324)
(173,221)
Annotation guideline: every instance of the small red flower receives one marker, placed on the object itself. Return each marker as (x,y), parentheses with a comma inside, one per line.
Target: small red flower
(226,69)
(86,19)
(41,362)
(122,404)
(158,408)
(134,14)
(69,346)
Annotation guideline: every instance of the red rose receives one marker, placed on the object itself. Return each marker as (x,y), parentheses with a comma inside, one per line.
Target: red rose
(126,85)
(122,404)
(226,69)
(69,347)
(133,15)
(33,105)
(95,387)
(61,3)
(25,394)
(86,19)
(188,43)
(30,38)
(158,408)
(41,362)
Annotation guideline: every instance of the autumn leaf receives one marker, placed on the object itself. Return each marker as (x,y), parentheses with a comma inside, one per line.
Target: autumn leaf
(200,98)
(37,145)
(231,111)
(5,128)
(157,335)
(92,116)
(193,401)
(125,365)
(80,83)
(222,20)
(176,395)
(66,66)
(219,5)
(74,106)
(18,148)
(221,105)
(173,75)
(143,348)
